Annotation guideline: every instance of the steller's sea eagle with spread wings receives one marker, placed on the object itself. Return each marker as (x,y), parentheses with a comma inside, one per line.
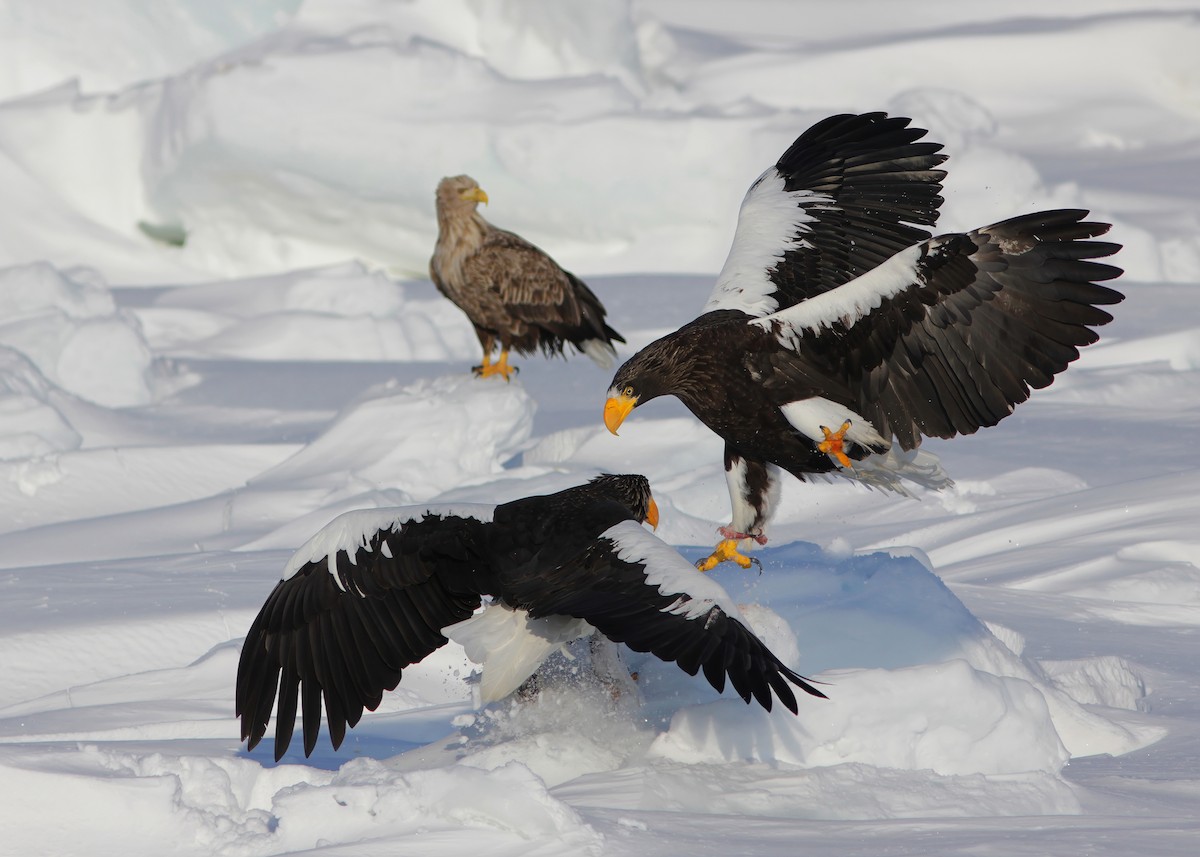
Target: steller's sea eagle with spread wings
(378,590)
(513,293)
(839,328)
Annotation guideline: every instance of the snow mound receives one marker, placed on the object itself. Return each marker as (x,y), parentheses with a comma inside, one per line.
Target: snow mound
(924,701)
(616,142)
(68,325)
(199,805)
(376,801)
(422,439)
(523,39)
(898,719)
(881,627)
(110,44)
(342,312)
(1108,680)
(31,427)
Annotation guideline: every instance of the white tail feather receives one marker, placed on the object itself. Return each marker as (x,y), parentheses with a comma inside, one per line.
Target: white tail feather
(886,470)
(510,646)
(600,351)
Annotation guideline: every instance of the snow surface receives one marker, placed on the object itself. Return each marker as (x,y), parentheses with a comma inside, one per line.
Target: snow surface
(216,335)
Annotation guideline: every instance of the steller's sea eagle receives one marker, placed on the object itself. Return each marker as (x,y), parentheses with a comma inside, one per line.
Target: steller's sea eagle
(839,327)
(512,292)
(376,591)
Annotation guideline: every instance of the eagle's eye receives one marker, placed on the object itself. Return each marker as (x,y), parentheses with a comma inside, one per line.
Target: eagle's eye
(627,392)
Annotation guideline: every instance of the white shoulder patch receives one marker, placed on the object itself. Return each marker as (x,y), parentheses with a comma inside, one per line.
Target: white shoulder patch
(353,530)
(850,302)
(669,572)
(770,223)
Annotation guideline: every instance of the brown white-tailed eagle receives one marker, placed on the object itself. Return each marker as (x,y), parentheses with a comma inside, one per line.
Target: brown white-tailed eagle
(373,591)
(512,292)
(838,327)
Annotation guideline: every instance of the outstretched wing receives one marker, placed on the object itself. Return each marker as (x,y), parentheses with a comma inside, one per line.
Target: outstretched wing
(850,192)
(636,589)
(343,625)
(947,336)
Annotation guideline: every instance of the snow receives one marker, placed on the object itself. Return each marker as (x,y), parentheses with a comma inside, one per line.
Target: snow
(217,335)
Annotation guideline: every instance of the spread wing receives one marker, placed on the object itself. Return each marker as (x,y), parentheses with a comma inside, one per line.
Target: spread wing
(949,335)
(343,626)
(637,590)
(850,192)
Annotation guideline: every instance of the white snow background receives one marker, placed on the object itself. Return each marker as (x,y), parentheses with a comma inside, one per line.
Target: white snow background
(1013,665)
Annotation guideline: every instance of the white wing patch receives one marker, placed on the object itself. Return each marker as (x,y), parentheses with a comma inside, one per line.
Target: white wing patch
(509,646)
(850,302)
(670,572)
(770,223)
(808,415)
(353,530)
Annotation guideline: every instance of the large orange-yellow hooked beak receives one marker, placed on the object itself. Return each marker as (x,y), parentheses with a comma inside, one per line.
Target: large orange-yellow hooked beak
(652,515)
(616,409)
(475,194)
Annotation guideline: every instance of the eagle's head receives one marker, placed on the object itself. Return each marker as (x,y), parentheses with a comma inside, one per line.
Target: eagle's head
(459,194)
(657,370)
(631,490)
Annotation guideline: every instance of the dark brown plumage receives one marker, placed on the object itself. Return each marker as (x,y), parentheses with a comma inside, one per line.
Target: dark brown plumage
(372,593)
(838,327)
(514,294)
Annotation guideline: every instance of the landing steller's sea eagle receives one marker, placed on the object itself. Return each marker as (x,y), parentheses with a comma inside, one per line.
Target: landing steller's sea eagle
(839,330)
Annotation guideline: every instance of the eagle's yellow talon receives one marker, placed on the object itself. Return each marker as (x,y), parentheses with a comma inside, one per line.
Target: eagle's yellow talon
(832,444)
(726,549)
(500,367)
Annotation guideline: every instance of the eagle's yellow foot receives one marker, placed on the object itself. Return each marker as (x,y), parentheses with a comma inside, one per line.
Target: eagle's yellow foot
(832,444)
(500,367)
(726,549)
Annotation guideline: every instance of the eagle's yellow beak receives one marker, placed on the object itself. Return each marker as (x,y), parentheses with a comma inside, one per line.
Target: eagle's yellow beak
(475,194)
(616,409)
(652,515)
